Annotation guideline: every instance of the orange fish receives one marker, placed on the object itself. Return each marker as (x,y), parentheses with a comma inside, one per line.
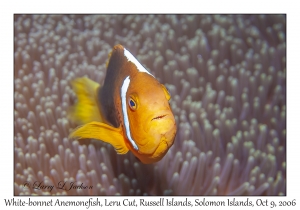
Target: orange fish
(130,111)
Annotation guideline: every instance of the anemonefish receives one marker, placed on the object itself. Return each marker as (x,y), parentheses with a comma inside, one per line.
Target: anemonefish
(130,111)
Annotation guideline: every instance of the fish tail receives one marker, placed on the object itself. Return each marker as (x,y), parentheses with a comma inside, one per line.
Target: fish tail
(86,109)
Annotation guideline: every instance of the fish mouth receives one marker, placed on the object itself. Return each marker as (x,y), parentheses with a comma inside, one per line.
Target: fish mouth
(166,141)
(161,132)
(159,117)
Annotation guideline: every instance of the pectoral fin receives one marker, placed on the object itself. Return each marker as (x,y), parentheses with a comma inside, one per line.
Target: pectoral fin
(103,132)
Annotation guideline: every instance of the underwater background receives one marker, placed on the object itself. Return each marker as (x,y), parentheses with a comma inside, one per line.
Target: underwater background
(227,78)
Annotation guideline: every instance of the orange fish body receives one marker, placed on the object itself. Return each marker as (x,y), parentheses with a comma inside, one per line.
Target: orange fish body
(130,111)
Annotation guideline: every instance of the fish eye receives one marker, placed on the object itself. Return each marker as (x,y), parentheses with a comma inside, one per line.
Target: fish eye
(132,104)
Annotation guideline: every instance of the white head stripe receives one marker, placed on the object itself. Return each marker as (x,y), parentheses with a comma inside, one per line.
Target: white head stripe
(124,109)
(139,66)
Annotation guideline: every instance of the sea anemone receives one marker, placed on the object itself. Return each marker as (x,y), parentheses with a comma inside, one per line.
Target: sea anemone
(227,78)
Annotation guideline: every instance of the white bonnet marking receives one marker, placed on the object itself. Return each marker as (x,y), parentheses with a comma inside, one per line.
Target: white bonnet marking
(139,66)
(124,109)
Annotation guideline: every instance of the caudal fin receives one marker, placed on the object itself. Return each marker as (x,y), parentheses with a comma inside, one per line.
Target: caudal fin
(86,109)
